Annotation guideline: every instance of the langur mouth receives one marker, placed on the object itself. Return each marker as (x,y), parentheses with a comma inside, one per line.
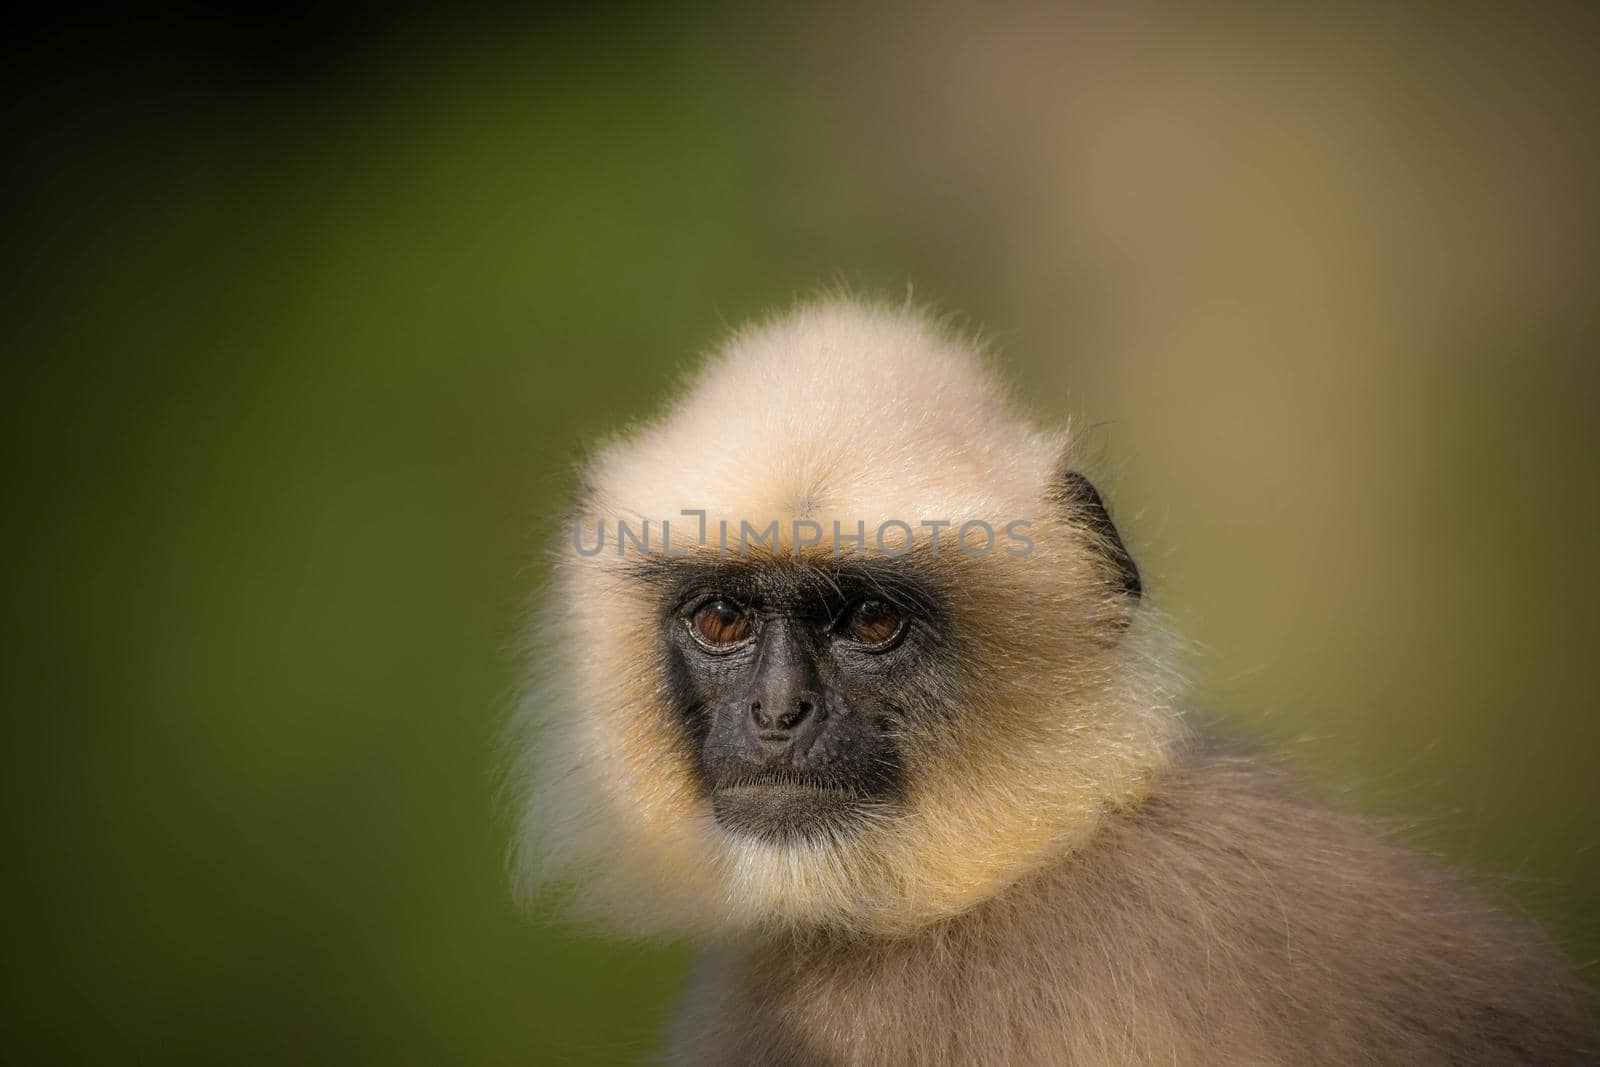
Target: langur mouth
(782,811)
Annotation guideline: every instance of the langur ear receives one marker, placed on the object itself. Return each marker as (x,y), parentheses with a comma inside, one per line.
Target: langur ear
(1079,503)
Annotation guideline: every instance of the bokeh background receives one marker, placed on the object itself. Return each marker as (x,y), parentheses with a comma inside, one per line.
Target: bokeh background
(307,315)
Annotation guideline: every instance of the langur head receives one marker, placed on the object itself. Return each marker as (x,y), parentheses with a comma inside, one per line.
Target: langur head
(839,641)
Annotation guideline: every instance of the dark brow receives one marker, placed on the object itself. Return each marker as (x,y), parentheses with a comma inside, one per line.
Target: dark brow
(903,581)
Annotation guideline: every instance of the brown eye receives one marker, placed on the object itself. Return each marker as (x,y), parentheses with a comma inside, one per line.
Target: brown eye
(874,622)
(721,623)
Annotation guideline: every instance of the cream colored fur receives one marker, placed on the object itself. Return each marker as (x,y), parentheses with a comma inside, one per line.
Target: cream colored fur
(860,414)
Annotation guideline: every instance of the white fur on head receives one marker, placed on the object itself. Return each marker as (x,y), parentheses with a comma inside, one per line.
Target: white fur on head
(855,413)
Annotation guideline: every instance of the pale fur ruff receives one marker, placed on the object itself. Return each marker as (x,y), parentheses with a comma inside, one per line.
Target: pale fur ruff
(856,413)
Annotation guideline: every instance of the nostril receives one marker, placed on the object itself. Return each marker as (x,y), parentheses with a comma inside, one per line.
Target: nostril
(802,710)
(762,719)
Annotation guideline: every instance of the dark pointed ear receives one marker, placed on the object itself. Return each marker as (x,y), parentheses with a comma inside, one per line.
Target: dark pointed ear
(1080,503)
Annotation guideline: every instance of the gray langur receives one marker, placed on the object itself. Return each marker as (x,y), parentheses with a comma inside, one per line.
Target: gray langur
(845,674)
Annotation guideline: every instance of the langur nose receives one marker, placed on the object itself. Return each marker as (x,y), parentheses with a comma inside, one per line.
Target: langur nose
(777,721)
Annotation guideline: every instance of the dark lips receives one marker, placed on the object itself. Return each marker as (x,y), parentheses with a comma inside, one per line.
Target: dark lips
(781,811)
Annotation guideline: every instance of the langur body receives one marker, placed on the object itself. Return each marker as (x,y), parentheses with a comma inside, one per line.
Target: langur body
(877,714)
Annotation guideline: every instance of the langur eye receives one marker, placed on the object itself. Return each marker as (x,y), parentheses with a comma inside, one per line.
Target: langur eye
(874,623)
(721,623)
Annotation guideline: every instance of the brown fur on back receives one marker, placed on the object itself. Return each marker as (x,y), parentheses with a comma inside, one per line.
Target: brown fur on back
(1223,921)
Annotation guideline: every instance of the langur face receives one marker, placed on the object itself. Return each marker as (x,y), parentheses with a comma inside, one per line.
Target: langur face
(795,685)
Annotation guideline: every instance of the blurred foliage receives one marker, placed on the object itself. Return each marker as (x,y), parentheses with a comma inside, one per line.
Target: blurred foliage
(308,320)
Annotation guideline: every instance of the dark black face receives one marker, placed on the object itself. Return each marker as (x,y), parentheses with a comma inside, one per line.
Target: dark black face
(794,681)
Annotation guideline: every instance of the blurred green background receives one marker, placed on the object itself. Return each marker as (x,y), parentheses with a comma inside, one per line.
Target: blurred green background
(307,317)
